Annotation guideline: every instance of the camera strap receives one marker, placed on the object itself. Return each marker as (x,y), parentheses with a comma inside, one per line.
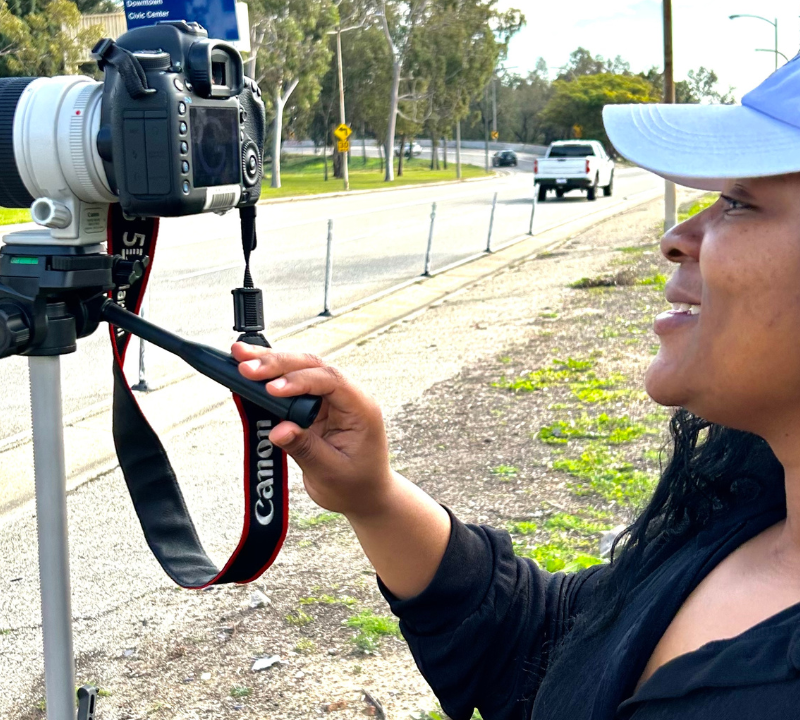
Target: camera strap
(151,480)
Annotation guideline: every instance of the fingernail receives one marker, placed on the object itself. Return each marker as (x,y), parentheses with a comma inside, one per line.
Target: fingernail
(289,437)
(252,364)
(279,383)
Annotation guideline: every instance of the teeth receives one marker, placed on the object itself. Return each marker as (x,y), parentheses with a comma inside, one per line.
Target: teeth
(686,308)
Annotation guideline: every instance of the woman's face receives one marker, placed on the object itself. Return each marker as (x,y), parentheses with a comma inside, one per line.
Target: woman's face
(734,357)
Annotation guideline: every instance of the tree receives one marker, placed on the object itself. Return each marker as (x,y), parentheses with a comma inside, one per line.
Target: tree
(582,62)
(700,86)
(457,52)
(45,42)
(290,52)
(579,103)
(520,102)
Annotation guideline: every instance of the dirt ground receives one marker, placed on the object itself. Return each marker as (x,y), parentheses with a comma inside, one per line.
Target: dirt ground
(550,437)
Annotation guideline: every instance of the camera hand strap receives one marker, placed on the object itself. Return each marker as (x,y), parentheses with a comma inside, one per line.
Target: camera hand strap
(151,481)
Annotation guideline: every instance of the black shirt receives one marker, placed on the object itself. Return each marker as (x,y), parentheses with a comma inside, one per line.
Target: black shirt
(483,633)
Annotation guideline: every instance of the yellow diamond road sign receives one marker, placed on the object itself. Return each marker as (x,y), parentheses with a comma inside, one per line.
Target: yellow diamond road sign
(343,132)
(495,134)
(343,146)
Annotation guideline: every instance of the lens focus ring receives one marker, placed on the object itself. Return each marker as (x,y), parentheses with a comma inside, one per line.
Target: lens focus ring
(13,192)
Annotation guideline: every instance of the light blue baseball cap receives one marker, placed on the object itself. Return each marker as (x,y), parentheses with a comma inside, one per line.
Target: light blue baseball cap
(701,146)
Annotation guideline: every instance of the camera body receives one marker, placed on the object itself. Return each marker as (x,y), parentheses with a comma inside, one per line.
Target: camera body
(194,142)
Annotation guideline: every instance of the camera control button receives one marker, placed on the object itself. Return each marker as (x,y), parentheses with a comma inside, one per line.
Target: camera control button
(186,187)
(184,147)
(181,108)
(185,167)
(178,84)
(188,85)
(183,128)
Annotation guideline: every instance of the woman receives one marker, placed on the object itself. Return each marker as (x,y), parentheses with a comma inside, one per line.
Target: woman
(698,616)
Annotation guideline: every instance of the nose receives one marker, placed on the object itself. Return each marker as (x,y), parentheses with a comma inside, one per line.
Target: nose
(682,242)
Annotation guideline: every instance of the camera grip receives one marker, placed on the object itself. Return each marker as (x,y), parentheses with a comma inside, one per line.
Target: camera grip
(216,365)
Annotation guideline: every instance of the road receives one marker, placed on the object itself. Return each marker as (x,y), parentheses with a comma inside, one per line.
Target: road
(379,241)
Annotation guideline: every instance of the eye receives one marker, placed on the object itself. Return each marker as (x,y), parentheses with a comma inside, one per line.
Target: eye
(731,204)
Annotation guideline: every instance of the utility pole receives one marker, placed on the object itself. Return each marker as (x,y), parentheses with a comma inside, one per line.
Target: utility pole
(670,191)
(458,149)
(345,175)
(486,127)
(494,106)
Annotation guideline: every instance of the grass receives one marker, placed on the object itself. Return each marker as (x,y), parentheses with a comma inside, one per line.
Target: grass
(323,518)
(698,206)
(304,175)
(612,430)
(305,646)
(505,472)
(299,618)
(608,475)
(237,691)
(11,216)
(371,628)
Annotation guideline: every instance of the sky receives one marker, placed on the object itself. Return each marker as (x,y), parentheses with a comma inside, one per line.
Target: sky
(703,35)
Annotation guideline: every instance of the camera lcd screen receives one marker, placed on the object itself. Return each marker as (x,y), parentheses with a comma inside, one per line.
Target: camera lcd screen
(215,146)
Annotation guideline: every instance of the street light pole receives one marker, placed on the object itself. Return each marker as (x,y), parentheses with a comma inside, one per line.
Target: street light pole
(670,191)
(774,25)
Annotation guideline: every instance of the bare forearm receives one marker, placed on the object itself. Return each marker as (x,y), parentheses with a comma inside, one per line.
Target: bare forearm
(405,538)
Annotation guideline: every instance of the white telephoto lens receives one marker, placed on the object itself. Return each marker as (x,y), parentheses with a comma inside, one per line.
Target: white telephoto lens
(58,119)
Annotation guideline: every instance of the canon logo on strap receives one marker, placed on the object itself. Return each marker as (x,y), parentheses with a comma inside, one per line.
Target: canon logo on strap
(264,489)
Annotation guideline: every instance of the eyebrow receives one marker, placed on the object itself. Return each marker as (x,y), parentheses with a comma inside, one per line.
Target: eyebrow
(741,191)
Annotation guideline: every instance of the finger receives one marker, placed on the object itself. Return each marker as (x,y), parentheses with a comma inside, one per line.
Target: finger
(243,351)
(309,450)
(325,381)
(272,364)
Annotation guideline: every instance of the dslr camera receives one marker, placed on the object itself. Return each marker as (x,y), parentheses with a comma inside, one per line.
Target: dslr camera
(175,128)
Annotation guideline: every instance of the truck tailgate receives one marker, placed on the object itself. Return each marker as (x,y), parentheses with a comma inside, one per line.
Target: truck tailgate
(562,167)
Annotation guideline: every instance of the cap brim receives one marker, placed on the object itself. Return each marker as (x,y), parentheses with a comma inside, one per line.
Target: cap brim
(702,146)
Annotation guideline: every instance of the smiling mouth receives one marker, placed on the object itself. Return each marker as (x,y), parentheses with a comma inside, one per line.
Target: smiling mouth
(685,309)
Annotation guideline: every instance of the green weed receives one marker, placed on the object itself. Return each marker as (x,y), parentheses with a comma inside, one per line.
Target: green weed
(323,518)
(299,618)
(371,629)
(698,206)
(305,646)
(657,281)
(522,528)
(638,249)
(238,691)
(572,523)
(613,430)
(557,557)
(608,475)
(505,472)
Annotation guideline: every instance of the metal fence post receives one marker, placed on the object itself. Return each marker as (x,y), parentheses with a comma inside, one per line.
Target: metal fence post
(533,212)
(491,225)
(427,272)
(142,386)
(328,272)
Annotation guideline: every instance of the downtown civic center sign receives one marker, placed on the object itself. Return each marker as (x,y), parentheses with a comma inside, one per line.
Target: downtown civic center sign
(219,17)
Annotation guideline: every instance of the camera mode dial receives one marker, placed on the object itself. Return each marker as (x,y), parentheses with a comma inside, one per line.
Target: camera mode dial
(251,163)
(153,60)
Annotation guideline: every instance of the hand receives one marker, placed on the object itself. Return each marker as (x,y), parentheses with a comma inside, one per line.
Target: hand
(344,455)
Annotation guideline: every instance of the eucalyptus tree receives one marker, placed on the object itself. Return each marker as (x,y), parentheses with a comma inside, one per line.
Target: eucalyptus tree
(290,53)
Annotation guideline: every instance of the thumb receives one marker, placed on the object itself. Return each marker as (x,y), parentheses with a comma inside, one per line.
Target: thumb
(308,449)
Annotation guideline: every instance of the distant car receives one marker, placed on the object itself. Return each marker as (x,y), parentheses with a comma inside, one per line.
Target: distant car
(504,158)
(412,149)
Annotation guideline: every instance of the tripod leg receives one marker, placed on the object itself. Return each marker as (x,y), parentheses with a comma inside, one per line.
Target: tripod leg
(51,518)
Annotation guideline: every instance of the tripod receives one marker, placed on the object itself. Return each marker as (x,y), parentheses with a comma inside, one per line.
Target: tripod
(50,296)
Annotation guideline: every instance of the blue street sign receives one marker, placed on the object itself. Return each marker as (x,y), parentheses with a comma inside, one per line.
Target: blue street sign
(216,16)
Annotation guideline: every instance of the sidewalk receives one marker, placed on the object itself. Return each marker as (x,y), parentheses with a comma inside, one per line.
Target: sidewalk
(151,645)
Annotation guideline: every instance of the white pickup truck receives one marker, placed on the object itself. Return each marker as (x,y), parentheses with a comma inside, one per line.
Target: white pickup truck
(574,164)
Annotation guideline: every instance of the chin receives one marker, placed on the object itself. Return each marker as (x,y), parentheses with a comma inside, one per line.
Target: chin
(664,383)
